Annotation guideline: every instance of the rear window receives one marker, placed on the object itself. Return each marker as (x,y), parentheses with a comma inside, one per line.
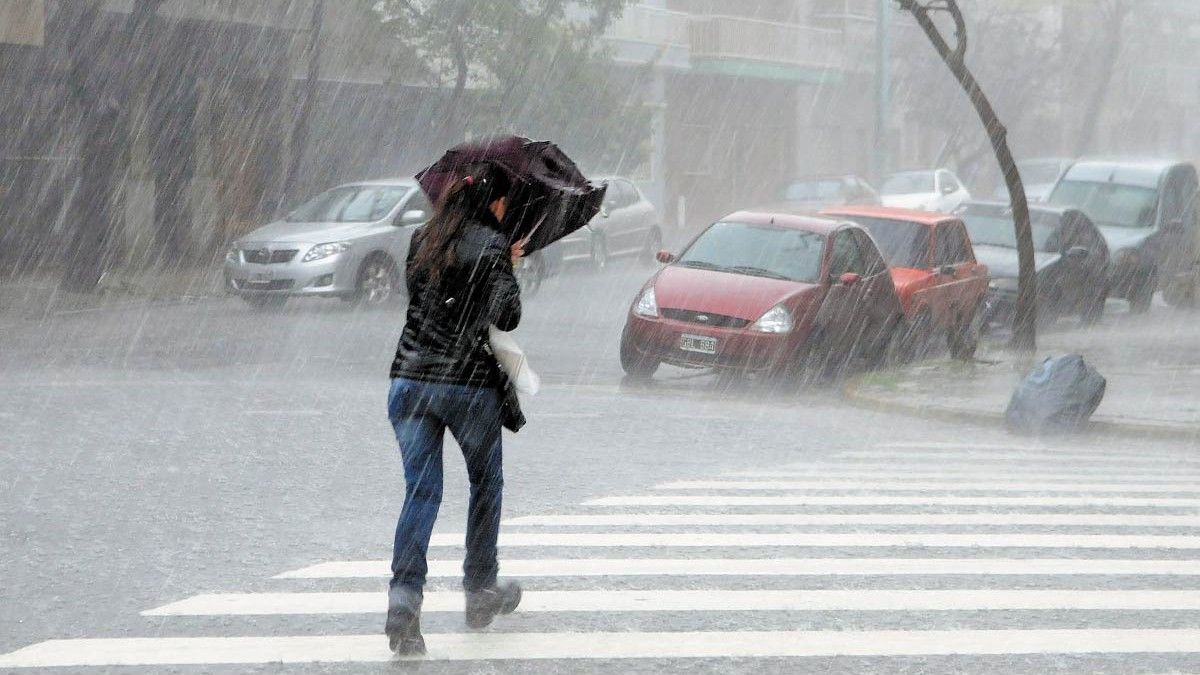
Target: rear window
(1110,204)
(758,250)
(903,244)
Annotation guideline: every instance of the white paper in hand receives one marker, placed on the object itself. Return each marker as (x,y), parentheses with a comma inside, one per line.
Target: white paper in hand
(513,361)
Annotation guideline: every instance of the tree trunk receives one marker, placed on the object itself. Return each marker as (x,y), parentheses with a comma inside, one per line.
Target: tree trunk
(1024,336)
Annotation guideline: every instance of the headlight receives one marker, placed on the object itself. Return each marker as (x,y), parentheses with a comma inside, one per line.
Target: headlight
(232,254)
(776,320)
(647,304)
(321,251)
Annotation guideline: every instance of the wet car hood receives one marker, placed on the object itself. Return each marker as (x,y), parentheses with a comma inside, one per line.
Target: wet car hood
(1118,238)
(304,233)
(739,295)
(1002,263)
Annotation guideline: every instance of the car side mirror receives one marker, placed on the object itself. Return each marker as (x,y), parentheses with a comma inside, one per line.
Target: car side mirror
(849,278)
(947,270)
(665,257)
(947,190)
(1078,253)
(412,217)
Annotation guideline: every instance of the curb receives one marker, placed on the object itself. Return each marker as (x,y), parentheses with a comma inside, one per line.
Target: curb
(851,392)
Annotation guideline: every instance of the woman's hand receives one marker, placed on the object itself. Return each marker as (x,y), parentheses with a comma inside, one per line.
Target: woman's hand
(517,251)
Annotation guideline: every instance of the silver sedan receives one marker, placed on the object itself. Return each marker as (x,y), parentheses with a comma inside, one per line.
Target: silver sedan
(348,242)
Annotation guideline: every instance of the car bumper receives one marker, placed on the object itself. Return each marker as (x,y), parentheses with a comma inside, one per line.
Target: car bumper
(736,348)
(333,276)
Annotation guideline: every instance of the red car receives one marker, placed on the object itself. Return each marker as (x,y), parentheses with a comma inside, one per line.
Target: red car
(767,292)
(940,284)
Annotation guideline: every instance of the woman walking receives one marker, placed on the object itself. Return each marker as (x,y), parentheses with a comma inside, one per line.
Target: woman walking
(460,280)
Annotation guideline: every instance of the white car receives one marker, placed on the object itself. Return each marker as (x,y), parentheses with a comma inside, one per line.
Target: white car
(937,190)
(627,225)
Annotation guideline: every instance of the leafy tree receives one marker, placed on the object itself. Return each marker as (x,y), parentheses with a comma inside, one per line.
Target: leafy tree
(532,67)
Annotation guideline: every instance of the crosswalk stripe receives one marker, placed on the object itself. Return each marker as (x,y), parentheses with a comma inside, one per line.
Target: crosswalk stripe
(889,473)
(617,567)
(768,519)
(358,602)
(886,500)
(818,539)
(977,470)
(880,486)
(610,645)
(1047,458)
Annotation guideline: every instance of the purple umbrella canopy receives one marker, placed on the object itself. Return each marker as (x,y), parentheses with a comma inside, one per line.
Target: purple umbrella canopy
(550,198)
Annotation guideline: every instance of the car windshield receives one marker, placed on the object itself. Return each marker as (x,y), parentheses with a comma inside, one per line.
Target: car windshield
(813,190)
(908,183)
(994,227)
(1109,203)
(903,244)
(349,204)
(758,250)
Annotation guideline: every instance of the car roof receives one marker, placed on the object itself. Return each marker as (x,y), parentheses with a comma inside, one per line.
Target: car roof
(1033,208)
(1141,172)
(910,215)
(824,226)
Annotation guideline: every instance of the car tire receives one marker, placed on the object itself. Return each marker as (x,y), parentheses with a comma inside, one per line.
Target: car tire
(377,283)
(530,273)
(963,339)
(636,365)
(1142,295)
(598,255)
(265,303)
(1093,310)
(654,242)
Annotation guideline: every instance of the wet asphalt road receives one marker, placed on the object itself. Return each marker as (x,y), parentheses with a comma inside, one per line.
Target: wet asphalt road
(153,453)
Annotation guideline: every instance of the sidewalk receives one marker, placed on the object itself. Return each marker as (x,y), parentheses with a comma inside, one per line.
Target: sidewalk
(1152,364)
(41,296)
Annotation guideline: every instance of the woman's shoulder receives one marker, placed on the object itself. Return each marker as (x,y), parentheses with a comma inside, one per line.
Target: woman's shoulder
(481,239)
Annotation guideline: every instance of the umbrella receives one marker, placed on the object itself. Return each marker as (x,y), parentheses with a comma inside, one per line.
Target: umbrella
(551,198)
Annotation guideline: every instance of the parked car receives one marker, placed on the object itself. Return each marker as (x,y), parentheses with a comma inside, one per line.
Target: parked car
(815,193)
(937,190)
(941,286)
(1038,176)
(1071,256)
(348,242)
(1147,212)
(767,292)
(627,225)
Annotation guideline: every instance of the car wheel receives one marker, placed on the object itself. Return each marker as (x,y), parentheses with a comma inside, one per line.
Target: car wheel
(1142,295)
(378,282)
(1093,310)
(654,241)
(599,253)
(963,339)
(530,272)
(265,302)
(636,364)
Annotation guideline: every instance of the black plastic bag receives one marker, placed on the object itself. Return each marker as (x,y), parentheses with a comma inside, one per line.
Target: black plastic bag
(1059,396)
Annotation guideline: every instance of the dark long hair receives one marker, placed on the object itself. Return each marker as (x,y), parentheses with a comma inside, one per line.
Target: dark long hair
(467,198)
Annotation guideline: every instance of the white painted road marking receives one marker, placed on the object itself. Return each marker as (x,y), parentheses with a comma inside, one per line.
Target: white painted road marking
(950,475)
(616,567)
(263,604)
(820,539)
(1064,460)
(767,519)
(886,500)
(890,486)
(615,645)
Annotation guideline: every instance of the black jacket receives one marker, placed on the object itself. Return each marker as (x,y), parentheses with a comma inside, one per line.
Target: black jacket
(445,332)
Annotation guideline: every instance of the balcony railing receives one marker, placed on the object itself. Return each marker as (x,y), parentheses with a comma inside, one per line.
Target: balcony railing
(736,38)
(651,25)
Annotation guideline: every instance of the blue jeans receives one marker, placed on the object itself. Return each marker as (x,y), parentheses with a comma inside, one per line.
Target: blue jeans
(420,413)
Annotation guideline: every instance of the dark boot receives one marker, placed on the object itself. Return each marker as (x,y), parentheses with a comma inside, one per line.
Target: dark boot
(484,605)
(403,626)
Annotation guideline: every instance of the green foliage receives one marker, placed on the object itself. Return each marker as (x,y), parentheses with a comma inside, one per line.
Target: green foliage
(534,68)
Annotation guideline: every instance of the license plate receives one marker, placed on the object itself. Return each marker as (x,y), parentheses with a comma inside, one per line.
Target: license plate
(698,343)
